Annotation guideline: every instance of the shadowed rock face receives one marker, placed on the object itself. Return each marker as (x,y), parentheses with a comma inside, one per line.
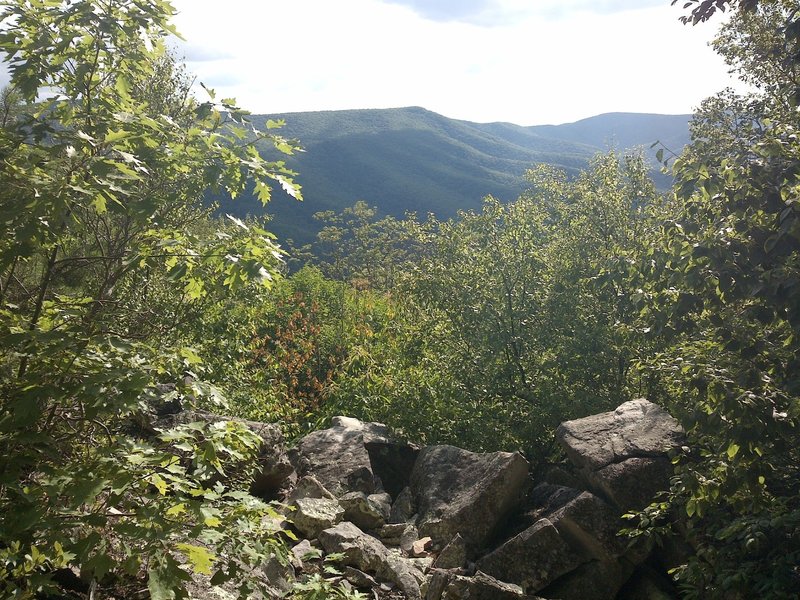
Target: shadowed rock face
(458,491)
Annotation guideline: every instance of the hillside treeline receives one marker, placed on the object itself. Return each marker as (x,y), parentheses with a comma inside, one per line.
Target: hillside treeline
(117,286)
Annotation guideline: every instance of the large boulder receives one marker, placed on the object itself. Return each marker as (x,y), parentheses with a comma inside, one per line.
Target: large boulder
(312,515)
(595,580)
(338,458)
(367,554)
(457,491)
(622,454)
(532,559)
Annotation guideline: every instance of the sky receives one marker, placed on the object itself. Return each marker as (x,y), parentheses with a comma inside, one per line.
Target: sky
(527,62)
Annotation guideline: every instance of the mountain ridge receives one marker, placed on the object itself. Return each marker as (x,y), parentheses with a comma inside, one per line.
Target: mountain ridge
(413,159)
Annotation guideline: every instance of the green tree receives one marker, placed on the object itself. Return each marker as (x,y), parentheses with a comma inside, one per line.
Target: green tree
(722,287)
(104,253)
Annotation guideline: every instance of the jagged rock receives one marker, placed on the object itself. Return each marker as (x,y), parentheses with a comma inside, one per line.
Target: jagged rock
(404,508)
(407,538)
(308,486)
(436,584)
(279,576)
(366,512)
(621,454)
(590,526)
(532,559)
(632,484)
(337,456)
(315,514)
(453,555)
(303,551)
(392,462)
(358,578)
(367,554)
(595,580)
(391,533)
(481,587)
(458,491)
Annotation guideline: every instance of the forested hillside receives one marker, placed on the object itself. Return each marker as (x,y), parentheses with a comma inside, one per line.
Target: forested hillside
(125,300)
(413,160)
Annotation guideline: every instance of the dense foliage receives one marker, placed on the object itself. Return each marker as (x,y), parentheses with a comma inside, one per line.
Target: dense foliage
(105,254)
(485,330)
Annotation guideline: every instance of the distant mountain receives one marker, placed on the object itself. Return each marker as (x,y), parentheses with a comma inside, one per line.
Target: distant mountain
(411,159)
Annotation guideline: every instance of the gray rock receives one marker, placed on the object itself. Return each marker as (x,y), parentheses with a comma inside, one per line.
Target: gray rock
(481,587)
(458,491)
(453,555)
(315,514)
(637,428)
(366,512)
(391,533)
(404,508)
(303,551)
(532,559)
(407,538)
(590,526)
(631,484)
(279,576)
(622,455)
(337,457)
(358,578)
(308,486)
(367,554)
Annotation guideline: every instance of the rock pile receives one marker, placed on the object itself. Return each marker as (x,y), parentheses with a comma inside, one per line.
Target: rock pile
(442,523)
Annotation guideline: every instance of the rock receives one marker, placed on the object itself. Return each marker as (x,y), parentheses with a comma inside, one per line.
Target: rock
(315,514)
(391,533)
(590,526)
(358,578)
(622,454)
(532,559)
(338,458)
(635,429)
(453,555)
(632,484)
(436,585)
(279,576)
(304,551)
(404,508)
(308,487)
(407,538)
(595,580)
(392,462)
(419,549)
(366,512)
(367,554)
(458,491)
(481,587)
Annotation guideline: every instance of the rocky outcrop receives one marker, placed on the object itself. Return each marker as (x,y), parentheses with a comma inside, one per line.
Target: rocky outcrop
(443,523)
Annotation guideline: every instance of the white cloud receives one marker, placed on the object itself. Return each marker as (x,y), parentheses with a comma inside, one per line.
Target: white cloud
(544,65)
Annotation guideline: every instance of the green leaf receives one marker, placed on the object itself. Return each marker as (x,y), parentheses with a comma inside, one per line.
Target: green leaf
(200,558)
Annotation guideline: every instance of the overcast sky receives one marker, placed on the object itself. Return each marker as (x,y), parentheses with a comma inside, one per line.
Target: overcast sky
(527,62)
